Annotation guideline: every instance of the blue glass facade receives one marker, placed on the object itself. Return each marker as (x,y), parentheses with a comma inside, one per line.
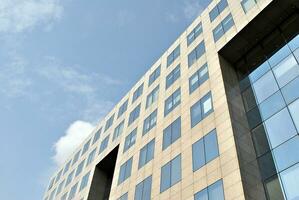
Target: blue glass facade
(271,99)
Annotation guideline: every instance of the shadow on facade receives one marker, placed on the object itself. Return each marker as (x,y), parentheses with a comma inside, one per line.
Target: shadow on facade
(102,178)
(262,37)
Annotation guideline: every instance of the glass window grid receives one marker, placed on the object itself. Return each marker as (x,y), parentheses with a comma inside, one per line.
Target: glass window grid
(143,189)
(69,178)
(134,114)
(172,102)
(198,78)
(138,92)
(125,171)
(67,166)
(170,173)
(209,193)
(60,186)
(122,109)
(171,133)
(123,197)
(58,176)
(130,140)
(173,76)
(152,97)
(85,147)
(118,130)
(91,156)
(223,27)
(97,136)
(248,4)
(84,181)
(154,75)
(150,122)
(146,153)
(80,168)
(215,12)
(73,192)
(253,77)
(194,34)
(204,151)
(109,122)
(199,115)
(76,157)
(196,53)
(173,55)
(104,144)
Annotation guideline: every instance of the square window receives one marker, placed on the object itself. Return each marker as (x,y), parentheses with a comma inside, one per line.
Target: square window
(287,154)
(278,124)
(272,105)
(260,140)
(273,189)
(265,87)
(286,70)
(218,32)
(290,91)
(290,182)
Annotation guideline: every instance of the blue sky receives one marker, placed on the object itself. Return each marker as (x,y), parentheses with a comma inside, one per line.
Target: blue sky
(63,65)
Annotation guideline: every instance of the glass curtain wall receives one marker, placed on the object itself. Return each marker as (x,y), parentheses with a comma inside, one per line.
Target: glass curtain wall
(271,98)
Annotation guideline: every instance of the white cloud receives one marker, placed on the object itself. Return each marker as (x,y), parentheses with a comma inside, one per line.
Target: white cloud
(21,15)
(74,136)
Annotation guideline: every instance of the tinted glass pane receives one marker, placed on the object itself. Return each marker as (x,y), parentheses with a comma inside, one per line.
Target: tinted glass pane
(287,154)
(165,177)
(142,157)
(290,182)
(286,70)
(278,56)
(202,195)
(222,5)
(192,57)
(138,191)
(198,155)
(271,105)
(227,23)
(176,170)
(267,166)
(254,118)
(207,106)
(150,150)
(213,13)
(176,130)
(218,32)
(280,128)
(290,91)
(273,189)
(193,82)
(259,72)
(265,87)
(166,137)
(294,109)
(249,99)
(147,187)
(247,4)
(260,140)
(216,191)
(195,114)
(211,146)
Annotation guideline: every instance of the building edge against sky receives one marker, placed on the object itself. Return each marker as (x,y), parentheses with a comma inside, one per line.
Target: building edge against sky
(202,122)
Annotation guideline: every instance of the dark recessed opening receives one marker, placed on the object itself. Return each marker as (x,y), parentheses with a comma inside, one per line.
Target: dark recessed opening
(102,178)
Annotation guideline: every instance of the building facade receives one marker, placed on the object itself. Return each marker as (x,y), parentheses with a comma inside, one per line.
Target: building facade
(216,117)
